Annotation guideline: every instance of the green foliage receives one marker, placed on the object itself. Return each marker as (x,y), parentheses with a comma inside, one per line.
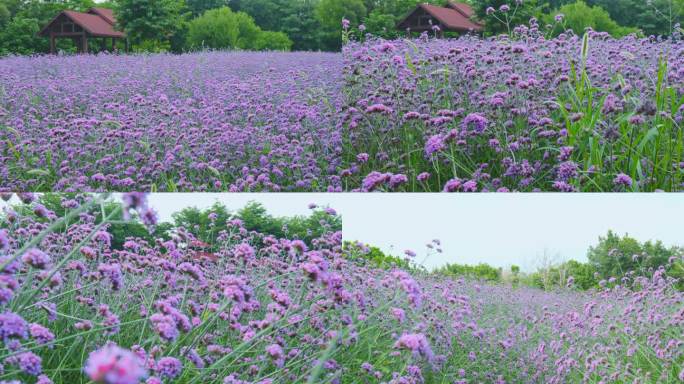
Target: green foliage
(118,228)
(504,22)
(215,28)
(300,24)
(330,14)
(613,256)
(272,41)
(198,7)
(150,20)
(480,272)
(255,218)
(381,24)
(656,17)
(222,28)
(266,13)
(582,276)
(19,37)
(200,223)
(579,16)
(374,256)
(4,15)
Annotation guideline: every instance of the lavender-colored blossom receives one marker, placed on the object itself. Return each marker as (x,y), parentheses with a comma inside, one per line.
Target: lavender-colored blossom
(36,258)
(114,365)
(169,367)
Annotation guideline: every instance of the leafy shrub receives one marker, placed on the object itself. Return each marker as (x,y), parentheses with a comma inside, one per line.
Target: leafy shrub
(370,255)
(215,28)
(330,13)
(273,41)
(222,28)
(20,37)
(479,272)
(614,255)
(579,16)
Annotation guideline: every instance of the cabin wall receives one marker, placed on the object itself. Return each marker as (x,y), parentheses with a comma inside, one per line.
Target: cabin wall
(64,26)
(420,21)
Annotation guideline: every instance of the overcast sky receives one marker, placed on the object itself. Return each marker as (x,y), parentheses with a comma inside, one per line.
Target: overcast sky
(499,229)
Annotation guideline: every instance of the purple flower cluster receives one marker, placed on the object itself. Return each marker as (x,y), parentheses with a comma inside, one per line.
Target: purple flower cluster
(504,115)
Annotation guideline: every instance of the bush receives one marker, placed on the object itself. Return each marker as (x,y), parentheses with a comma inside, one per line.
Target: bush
(222,28)
(152,46)
(614,255)
(21,37)
(481,271)
(579,16)
(216,28)
(273,41)
(365,254)
(382,25)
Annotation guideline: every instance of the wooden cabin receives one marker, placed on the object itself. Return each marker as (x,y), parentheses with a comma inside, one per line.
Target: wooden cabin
(199,251)
(97,23)
(455,17)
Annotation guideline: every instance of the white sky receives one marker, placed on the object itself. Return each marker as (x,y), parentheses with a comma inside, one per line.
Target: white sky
(499,229)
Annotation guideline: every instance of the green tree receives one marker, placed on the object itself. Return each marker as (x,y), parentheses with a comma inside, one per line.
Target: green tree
(150,23)
(504,21)
(657,17)
(481,271)
(205,224)
(330,14)
(614,256)
(381,24)
(267,14)
(216,28)
(581,273)
(248,31)
(300,24)
(374,256)
(198,7)
(19,36)
(5,15)
(579,16)
(222,28)
(273,41)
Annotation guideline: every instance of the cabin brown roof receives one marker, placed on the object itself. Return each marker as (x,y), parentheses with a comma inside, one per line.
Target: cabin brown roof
(465,9)
(98,22)
(104,13)
(455,17)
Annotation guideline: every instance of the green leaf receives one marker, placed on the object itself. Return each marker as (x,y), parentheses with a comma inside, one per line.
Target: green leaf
(38,172)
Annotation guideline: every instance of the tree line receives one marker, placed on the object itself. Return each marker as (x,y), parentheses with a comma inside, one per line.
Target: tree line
(312,25)
(619,18)
(205,224)
(608,261)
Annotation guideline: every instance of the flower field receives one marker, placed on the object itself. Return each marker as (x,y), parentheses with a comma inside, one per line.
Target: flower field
(468,114)
(527,114)
(194,122)
(274,310)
